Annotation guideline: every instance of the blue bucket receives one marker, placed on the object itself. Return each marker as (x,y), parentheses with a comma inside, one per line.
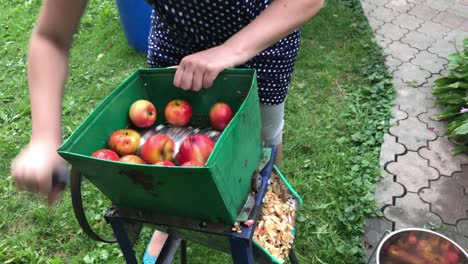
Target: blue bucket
(135,16)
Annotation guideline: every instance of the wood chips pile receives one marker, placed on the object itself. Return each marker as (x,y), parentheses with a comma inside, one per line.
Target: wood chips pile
(276,221)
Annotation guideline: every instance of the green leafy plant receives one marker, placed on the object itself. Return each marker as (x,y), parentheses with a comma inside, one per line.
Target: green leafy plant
(452,91)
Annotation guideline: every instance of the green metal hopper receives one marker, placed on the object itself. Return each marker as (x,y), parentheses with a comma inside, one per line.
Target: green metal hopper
(214,193)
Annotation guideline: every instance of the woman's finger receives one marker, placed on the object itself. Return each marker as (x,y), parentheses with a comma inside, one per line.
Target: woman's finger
(186,80)
(178,77)
(209,78)
(197,82)
(44,182)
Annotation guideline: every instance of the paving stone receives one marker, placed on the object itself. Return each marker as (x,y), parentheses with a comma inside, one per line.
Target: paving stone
(447,200)
(382,41)
(443,48)
(407,21)
(435,77)
(461,2)
(392,31)
(374,23)
(418,40)
(439,127)
(401,51)
(436,4)
(433,30)
(449,19)
(384,14)
(398,82)
(390,148)
(429,61)
(392,63)
(457,36)
(374,230)
(439,154)
(444,72)
(410,211)
(411,74)
(452,233)
(462,227)
(461,178)
(397,115)
(412,101)
(400,6)
(385,189)
(417,2)
(412,171)
(367,7)
(377,2)
(460,10)
(424,12)
(464,27)
(428,91)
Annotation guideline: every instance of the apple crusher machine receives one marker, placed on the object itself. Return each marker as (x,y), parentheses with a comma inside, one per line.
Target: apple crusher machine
(198,204)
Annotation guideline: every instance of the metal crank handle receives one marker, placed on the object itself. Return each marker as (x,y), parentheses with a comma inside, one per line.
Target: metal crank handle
(60,179)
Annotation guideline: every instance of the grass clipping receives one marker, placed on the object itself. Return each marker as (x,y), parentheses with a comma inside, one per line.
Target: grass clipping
(276,221)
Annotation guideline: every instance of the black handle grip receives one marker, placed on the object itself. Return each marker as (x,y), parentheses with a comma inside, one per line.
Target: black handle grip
(60,178)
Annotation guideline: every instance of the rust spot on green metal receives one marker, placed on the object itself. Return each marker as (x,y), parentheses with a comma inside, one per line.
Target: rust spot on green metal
(140,178)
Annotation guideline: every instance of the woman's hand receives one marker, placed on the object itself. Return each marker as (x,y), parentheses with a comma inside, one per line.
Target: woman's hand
(33,168)
(199,70)
(274,23)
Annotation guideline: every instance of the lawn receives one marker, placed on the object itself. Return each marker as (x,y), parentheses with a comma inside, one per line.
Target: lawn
(336,115)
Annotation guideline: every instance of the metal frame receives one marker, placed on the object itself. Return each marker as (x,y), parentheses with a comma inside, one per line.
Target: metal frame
(122,221)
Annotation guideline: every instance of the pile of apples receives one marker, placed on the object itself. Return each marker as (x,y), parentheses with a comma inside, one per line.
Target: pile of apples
(422,247)
(124,144)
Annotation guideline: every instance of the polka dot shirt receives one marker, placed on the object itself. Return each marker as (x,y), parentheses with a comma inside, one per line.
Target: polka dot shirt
(183,27)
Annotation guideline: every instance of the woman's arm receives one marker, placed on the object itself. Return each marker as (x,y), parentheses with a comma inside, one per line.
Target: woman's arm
(278,20)
(47,71)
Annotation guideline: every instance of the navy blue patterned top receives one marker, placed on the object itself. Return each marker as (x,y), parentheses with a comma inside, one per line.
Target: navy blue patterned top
(183,27)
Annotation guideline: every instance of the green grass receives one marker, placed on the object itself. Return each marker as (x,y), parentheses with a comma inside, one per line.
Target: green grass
(336,115)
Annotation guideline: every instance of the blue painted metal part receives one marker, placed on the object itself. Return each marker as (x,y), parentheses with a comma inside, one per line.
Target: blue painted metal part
(242,251)
(247,232)
(118,226)
(240,243)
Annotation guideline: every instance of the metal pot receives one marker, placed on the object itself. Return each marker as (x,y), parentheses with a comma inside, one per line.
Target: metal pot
(390,246)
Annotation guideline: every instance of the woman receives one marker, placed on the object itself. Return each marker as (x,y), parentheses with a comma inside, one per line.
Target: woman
(202,37)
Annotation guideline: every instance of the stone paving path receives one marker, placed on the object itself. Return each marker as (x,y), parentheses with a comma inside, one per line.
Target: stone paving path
(422,184)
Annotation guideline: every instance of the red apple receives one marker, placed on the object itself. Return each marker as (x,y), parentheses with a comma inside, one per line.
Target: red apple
(124,141)
(132,159)
(156,148)
(220,116)
(142,113)
(451,257)
(192,163)
(423,246)
(178,112)
(164,163)
(105,154)
(195,148)
(412,239)
(445,245)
